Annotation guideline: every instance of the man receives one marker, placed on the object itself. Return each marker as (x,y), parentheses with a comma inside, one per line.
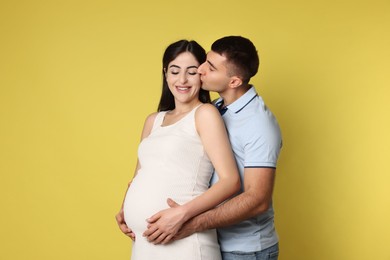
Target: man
(245,223)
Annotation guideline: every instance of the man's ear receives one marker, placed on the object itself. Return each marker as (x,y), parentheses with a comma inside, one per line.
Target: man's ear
(235,82)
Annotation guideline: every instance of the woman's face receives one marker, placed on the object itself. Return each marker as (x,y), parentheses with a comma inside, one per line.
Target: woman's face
(183,79)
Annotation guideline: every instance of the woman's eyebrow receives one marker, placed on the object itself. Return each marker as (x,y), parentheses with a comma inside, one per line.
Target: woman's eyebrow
(189,67)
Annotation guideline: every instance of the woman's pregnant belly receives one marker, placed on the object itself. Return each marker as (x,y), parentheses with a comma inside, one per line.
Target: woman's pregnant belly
(148,194)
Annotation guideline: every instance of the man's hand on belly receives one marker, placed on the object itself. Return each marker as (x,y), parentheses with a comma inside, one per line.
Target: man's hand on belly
(164,225)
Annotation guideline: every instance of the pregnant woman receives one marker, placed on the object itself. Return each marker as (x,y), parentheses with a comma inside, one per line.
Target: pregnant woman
(180,147)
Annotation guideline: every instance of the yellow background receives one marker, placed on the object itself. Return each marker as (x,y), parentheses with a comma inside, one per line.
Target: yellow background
(77,79)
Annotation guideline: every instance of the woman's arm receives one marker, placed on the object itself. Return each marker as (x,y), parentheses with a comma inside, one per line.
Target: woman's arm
(148,125)
(165,224)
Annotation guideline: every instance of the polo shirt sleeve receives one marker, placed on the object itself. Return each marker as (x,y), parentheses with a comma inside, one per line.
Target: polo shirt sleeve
(263,142)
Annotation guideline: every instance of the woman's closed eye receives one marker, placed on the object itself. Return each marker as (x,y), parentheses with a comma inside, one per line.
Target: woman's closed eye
(174,72)
(193,72)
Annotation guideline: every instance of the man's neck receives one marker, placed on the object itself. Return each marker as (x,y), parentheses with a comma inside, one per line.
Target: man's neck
(232,95)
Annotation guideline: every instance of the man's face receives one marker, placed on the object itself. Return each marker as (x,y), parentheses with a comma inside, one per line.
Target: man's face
(214,74)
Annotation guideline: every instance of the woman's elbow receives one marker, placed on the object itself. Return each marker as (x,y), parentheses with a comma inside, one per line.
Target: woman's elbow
(235,185)
(231,184)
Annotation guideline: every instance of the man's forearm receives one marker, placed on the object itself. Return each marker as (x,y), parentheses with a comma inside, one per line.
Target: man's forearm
(255,200)
(233,211)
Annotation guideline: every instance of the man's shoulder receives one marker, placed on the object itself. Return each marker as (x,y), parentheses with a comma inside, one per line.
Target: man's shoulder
(256,120)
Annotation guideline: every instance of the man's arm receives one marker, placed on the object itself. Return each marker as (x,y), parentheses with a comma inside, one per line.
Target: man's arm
(255,200)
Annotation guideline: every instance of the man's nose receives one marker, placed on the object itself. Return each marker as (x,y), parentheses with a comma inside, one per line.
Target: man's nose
(200,69)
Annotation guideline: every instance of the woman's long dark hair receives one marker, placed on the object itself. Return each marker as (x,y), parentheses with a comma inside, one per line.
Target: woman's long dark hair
(167,101)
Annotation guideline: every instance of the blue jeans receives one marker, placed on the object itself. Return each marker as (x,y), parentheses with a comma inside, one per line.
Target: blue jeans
(270,253)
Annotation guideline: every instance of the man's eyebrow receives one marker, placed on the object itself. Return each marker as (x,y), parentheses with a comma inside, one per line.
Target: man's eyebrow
(212,65)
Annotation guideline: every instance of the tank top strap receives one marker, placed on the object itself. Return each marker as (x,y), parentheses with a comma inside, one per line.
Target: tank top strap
(158,120)
(189,119)
(195,108)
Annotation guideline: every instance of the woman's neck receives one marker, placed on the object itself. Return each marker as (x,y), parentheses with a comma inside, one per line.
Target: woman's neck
(181,108)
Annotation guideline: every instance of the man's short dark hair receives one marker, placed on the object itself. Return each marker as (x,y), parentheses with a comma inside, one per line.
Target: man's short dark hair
(241,53)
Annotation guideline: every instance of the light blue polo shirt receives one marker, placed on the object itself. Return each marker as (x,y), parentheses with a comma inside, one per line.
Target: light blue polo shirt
(256,142)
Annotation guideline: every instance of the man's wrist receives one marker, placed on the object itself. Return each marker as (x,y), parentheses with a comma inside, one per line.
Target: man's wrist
(199,223)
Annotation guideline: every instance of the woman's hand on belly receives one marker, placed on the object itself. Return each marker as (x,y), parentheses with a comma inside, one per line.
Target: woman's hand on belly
(120,219)
(165,224)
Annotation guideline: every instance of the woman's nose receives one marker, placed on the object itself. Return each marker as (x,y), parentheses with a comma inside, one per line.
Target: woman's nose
(183,77)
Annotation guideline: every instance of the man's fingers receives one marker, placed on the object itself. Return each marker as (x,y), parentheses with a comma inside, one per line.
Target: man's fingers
(159,239)
(180,235)
(167,239)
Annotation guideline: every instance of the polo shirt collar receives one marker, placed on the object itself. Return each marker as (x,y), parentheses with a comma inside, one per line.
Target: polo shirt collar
(242,102)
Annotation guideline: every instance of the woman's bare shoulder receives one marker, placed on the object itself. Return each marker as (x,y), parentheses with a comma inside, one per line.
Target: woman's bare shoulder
(207,114)
(207,109)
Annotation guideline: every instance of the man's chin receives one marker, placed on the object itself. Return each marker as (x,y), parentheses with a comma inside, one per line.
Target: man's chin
(205,88)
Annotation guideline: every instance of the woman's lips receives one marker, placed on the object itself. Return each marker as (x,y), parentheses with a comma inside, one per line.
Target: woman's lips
(183,88)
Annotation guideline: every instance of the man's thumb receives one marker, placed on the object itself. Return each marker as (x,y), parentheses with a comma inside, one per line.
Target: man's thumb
(172,203)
